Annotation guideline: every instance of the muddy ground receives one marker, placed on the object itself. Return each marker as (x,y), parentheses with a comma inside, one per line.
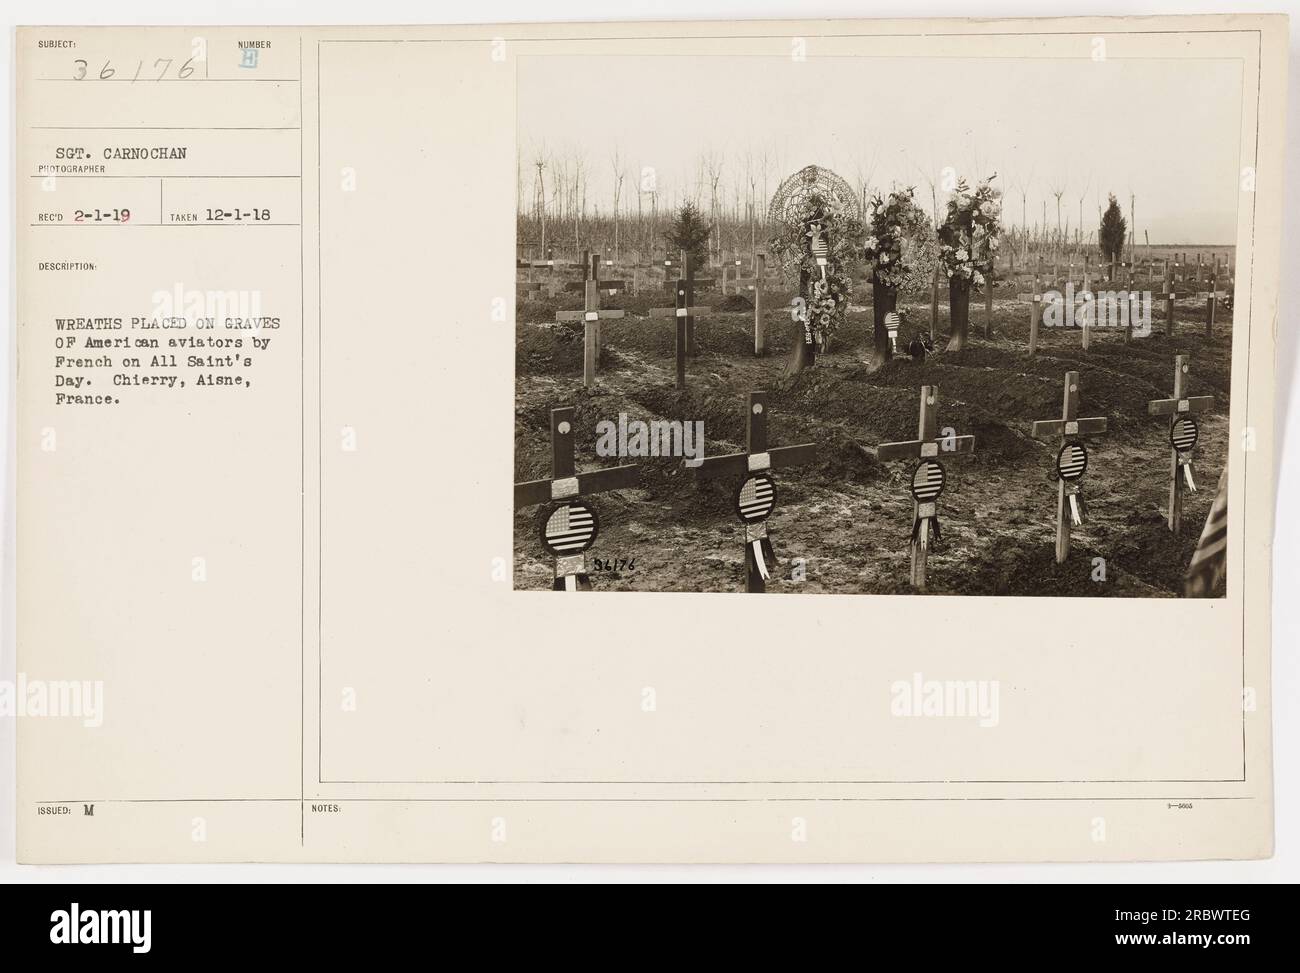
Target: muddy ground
(849,516)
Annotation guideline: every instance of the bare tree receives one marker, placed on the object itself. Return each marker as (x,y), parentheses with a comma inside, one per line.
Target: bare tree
(618,164)
(1132,223)
(751,192)
(1022,184)
(928,175)
(559,189)
(1058,191)
(579,198)
(712,165)
(1082,193)
(865,170)
(539,198)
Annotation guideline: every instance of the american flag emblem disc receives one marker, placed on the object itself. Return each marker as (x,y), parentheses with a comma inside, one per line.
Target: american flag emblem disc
(1072,461)
(927,481)
(569,527)
(756,499)
(1183,433)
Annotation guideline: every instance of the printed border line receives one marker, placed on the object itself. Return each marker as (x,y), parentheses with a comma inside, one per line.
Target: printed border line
(722,38)
(614,800)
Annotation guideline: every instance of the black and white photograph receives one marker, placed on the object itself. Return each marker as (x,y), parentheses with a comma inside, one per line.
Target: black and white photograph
(960,332)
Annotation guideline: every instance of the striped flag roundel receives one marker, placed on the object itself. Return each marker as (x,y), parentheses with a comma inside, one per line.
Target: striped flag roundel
(756,499)
(569,527)
(927,481)
(1072,461)
(1183,433)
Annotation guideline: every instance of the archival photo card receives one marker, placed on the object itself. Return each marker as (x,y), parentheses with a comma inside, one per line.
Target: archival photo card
(403,414)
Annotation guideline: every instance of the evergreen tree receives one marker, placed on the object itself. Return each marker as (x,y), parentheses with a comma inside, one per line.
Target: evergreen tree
(1114,230)
(689,233)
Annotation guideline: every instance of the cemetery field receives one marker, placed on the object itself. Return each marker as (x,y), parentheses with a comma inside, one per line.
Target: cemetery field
(847,515)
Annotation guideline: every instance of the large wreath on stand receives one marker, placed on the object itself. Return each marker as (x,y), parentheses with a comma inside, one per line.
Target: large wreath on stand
(968,242)
(815,211)
(901,251)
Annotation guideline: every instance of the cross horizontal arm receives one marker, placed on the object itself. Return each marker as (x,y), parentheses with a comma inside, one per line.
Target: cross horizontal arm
(783,456)
(913,448)
(601,285)
(739,464)
(597,481)
(671,312)
(587,315)
(1051,428)
(1168,407)
(886,451)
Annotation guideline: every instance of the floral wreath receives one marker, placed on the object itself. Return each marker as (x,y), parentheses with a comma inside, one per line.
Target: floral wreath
(900,240)
(968,238)
(827,301)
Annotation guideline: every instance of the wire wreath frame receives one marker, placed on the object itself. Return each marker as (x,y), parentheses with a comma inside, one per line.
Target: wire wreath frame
(791,199)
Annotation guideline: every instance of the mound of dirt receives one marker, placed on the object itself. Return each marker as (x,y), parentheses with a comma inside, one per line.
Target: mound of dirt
(734,302)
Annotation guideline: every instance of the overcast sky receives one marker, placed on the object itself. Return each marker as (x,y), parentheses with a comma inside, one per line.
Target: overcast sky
(1164,129)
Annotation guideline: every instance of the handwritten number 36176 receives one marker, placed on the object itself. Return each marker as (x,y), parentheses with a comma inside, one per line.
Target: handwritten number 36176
(108,71)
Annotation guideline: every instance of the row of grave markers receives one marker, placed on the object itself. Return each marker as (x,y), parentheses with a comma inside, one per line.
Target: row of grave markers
(1170,294)
(731,277)
(1177,266)
(685,310)
(731,271)
(568,525)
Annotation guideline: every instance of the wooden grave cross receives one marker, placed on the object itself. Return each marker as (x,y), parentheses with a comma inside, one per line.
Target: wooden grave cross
(609,287)
(754,282)
(1072,460)
(760,327)
(1212,298)
(1035,301)
(1084,297)
(1132,300)
(725,270)
(591,315)
(547,264)
(583,263)
(1183,434)
(691,283)
(756,498)
(1170,295)
(683,311)
(927,477)
(685,291)
(568,525)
